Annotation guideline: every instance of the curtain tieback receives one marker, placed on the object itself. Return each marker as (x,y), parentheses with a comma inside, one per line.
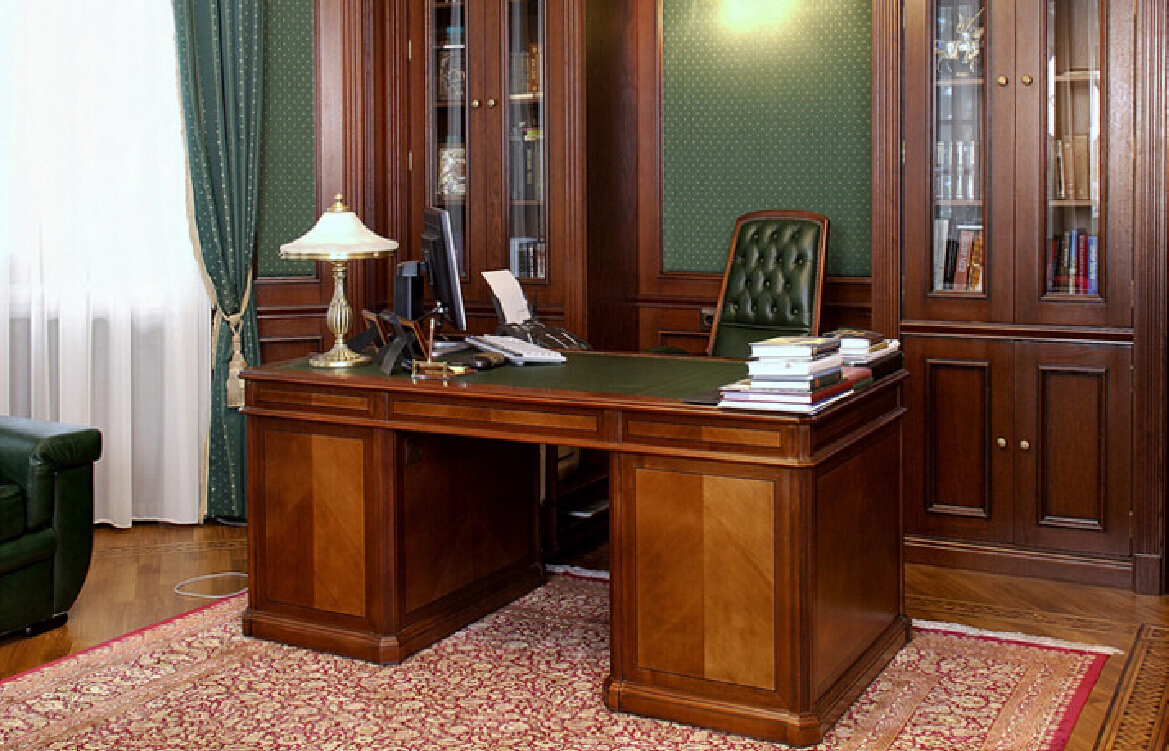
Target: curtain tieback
(235,384)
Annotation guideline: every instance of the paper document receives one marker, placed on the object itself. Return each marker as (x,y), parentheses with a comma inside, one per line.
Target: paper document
(511,297)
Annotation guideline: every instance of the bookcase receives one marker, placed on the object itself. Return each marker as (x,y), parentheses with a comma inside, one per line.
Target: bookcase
(495,145)
(1016,311)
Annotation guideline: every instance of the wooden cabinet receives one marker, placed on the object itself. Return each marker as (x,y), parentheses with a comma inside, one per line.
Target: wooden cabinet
(495,140)
(1024,446)
(1017,299)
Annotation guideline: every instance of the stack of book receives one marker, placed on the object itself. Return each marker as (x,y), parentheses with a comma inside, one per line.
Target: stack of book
(868,349)
(801,374)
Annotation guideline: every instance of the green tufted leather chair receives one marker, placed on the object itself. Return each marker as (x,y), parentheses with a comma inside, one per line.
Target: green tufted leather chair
(773,281)
(46,520)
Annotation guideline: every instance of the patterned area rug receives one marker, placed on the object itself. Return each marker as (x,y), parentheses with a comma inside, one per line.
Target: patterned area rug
(526,677)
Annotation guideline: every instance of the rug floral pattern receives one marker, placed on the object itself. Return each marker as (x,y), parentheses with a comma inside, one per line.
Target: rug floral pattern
(527,677)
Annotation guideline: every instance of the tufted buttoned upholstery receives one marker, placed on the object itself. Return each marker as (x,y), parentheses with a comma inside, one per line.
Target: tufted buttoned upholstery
(773,280)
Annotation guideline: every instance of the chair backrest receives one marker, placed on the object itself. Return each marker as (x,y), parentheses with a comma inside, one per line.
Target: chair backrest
(773,281)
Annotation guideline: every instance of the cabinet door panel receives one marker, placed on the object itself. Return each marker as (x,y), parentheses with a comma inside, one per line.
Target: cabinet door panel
(1072,410)
(958,396)
(1073,228)
(960,137)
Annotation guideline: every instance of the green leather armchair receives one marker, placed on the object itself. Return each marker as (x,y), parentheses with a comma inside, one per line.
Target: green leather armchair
(46,520)
(773,281)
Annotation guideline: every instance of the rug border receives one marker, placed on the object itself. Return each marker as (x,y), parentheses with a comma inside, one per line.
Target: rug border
(1014,637)
(117,639)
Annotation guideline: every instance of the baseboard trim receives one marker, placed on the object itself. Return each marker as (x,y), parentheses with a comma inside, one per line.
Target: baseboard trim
(999,559)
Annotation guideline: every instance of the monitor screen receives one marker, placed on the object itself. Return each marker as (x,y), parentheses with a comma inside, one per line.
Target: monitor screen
(443,266)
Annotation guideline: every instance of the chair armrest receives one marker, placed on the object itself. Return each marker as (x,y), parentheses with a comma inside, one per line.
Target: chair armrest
(33,452)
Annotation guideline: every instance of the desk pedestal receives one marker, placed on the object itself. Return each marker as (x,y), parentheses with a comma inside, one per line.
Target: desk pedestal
(374,544)
(756,600)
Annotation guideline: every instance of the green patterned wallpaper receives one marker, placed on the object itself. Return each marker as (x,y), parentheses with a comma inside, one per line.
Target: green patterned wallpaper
(287,199)
(766,105)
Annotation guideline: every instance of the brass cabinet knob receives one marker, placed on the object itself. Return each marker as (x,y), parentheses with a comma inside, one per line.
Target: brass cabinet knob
(1001,80)
(1002,443)
(1025,445)
(475,104)
(1027,80)
(491,103)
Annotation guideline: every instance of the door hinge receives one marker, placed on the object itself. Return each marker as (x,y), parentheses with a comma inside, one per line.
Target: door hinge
(409,161)
(1132,294)
(903,153)
(409,50)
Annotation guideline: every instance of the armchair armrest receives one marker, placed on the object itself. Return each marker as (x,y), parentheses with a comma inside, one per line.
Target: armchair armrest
(34,452)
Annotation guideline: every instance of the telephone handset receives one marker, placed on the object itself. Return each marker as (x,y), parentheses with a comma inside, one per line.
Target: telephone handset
(536,332)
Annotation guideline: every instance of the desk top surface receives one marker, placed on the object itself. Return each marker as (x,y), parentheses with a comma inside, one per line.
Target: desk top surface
(664,377)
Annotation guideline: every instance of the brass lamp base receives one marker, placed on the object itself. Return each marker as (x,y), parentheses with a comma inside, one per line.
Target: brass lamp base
(340,318)
(338,357)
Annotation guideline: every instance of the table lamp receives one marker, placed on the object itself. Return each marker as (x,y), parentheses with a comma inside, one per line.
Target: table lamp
(338,237)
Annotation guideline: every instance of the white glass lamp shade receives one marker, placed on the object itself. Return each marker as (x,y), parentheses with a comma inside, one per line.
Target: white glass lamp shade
(338,236)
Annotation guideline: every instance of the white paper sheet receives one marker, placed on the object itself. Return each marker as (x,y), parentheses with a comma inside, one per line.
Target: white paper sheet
(511,297)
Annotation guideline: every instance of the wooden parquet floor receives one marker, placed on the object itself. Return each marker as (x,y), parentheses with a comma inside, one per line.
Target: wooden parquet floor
(134,572)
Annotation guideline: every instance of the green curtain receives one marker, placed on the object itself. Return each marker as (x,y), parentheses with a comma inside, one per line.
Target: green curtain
(221,52)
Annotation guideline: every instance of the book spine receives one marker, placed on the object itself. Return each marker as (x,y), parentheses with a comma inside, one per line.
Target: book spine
(1093,264)
(1082,263)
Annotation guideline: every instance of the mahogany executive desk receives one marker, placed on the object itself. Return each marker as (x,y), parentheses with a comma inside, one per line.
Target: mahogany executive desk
(756,571)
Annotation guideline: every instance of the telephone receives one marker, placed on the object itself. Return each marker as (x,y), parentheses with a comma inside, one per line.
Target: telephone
(517,319)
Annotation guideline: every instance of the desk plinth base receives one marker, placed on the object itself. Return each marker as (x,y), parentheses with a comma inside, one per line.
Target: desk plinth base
(456,612)
(771,723)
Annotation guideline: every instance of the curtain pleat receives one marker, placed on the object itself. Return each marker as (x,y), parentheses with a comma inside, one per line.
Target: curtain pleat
(220,49)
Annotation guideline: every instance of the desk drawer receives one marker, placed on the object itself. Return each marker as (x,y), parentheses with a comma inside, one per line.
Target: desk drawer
(530,423)
(323,401)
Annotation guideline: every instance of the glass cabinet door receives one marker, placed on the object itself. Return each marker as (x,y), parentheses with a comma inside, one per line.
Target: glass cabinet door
(1072,261)
(959,252)
(448,119)
(527,151)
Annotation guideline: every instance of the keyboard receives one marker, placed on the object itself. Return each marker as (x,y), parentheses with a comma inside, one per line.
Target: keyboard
(517,351)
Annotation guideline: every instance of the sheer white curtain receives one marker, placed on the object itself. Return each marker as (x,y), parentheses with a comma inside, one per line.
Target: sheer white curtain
(104,320)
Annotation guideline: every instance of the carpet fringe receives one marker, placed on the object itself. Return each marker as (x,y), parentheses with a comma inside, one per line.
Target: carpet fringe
(1043,641)
(578,572)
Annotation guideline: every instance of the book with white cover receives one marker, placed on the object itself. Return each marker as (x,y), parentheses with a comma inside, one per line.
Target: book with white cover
(790,366)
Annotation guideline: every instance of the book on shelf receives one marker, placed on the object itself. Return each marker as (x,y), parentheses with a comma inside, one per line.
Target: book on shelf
(1093,265)
(1094,168)
(794,366)
(1052,263)
(966,235)
(974,276)
(941,233)
(1060,175)
(951,262)
(1081,280)
(794,346)
(1081,157)
(1068,169)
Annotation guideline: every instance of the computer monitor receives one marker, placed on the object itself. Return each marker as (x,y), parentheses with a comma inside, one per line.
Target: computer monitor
(438,248)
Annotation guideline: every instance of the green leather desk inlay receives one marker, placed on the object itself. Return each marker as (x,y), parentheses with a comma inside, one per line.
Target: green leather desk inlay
(602,373)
